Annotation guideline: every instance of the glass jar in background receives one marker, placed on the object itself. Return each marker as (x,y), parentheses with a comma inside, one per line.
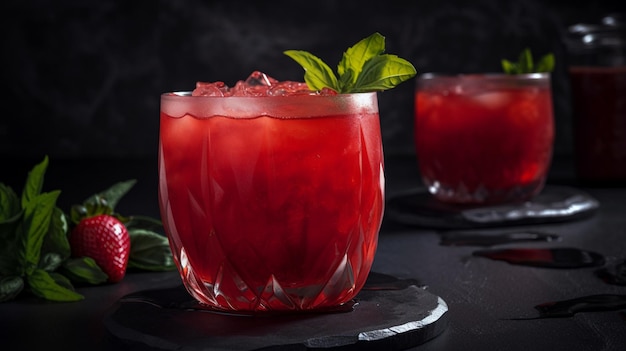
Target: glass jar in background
(597,71)
(484,138)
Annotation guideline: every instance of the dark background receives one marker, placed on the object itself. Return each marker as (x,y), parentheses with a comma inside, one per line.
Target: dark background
(82,79)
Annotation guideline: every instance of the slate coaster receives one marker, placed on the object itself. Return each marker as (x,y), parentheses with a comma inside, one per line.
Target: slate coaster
(554,204)
(392,316)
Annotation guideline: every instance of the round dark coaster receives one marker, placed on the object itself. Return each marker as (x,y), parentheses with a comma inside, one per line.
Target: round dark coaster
(394,315)
(554,204)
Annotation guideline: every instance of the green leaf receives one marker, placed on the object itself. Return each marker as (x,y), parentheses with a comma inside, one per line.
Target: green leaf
(84,270)
(354,58)
(10,287)
(10,232)
(52,286)
(34,182)
(10,207)
(143,222)
(526,61)
(50,261)
(37,217)
(56,241)
(509,67)
(149,251)
(546,63)
(113,194)
(317,74)
(362,68)
(384,72)
(525,64)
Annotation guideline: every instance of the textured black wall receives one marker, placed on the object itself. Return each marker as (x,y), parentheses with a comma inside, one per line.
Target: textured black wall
(84,77)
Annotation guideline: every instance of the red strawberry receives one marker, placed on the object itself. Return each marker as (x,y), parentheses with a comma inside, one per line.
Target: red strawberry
(105,239)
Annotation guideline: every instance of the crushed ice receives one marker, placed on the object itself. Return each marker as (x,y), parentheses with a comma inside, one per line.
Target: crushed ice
(257,84)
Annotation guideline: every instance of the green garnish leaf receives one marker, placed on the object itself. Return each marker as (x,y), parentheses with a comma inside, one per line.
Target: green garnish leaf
(52,286)
(525,64)
(149,251)
(363,68)
(317,74)
(85,270)
(34,182)
(10,287)
(382,73)
(37,217)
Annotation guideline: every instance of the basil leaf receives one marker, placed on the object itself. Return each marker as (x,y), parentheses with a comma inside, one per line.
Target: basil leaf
(546,63)
(84,270)
(11,248)
(34,182)
(354,58)
(56,240)
(10,287)
(383,72)
(525,64)
(52,286)
(509,67)
(149,251)
(143,222)
(37,217)
(9,204)
(50,261)
(113,194)
(317,74)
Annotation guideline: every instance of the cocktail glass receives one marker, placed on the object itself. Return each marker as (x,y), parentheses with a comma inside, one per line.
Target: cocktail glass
(271,203)
(484,138)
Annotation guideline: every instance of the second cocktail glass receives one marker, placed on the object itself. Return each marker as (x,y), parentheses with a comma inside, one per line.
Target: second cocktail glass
(271,203)
(484,138)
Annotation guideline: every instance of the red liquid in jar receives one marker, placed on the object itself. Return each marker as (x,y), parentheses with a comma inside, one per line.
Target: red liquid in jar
(486,147)
(599,111)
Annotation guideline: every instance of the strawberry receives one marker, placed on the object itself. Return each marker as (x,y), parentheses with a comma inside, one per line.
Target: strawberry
(105,239)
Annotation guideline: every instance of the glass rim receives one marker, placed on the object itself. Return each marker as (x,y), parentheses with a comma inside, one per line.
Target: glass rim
(284,106)
(187,94)
(489,75)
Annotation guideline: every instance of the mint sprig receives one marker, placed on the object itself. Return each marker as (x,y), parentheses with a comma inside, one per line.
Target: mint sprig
(525,64)
(364,67)
(34,246)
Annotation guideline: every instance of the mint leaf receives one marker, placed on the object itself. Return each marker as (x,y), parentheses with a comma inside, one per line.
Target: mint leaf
(50,261)
(355,57)
(546,63)
(363,68)
(85,270)
(56,240)
(37,217)
(10,287)
(383,72)
(34,182)
(149,251)
(143,222)
(52,286)
(114,194)
(317,74)
(525,64)
(10,207)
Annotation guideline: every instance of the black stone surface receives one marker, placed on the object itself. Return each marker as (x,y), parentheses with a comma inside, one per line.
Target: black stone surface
(554,204)
(391,315)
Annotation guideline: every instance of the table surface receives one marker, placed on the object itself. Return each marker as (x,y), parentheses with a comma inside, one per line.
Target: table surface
(486,298)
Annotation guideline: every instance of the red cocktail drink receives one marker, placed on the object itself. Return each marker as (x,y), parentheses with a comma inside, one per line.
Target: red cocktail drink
(484,139)
(271,203)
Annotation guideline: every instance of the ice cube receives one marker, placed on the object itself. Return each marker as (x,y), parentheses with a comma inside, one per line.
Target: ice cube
(210,89)
(493,99)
